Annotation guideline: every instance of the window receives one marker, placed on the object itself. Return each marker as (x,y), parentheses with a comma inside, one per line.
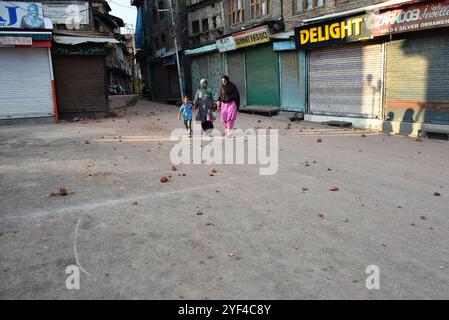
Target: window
(205,25)
(259,8)
(161,13)
(303,5)
(164,41)
(214,22)
(235,11)
(195,26)
(156,43)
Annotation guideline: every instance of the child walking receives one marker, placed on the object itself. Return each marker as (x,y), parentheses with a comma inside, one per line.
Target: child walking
(186,111)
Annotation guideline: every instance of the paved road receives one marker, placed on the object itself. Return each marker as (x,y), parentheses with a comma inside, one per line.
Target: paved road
(285,236)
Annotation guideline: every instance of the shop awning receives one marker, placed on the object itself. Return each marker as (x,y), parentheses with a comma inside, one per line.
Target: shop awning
(283,35)
(33,35)
(201,50)
(284,45)
(78,40)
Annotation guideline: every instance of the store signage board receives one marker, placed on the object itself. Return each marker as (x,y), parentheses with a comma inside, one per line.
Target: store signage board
(16,41)
(75,12)
(21,15)
(331,32)
(429,15)
(251,37)
(226,44)
(244,38)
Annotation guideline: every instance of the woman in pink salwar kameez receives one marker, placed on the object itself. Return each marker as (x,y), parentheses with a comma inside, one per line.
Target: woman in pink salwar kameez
(229,103)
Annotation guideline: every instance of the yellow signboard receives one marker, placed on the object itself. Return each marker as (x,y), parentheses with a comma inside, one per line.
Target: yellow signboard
(326,33)
(251,37)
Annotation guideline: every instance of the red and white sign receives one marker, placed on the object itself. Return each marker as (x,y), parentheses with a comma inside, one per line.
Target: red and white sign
(429,15)
(16,41)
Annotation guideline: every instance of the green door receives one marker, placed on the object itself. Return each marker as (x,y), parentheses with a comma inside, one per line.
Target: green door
(262,76)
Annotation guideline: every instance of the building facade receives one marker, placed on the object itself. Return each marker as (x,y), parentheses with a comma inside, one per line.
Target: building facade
(88,56)
(377,64)
(234,38)
(157,52)
(75,48)
(26,79)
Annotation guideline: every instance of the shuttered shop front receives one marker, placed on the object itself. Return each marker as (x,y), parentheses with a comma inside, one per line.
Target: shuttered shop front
(25,78)
(81,84)
(236,72)
(418,79)
(346,81)
(210,67)
(262,76)
(216,70)
(200,70)
(293,80)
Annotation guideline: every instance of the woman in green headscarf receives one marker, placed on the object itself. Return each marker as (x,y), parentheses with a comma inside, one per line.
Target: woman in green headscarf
(204,103)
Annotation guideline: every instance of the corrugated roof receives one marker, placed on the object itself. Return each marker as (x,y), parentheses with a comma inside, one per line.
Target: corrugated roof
(78,40)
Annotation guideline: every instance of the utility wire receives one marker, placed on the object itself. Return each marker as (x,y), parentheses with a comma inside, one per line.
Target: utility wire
(122,5)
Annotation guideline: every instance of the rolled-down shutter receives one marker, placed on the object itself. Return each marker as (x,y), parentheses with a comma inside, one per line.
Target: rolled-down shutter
(417,88)
(215,72)
(80,84)
(199,70)
(236,72)
(175,91)
(25,83)
(346,80)
(262,76)
(293,84)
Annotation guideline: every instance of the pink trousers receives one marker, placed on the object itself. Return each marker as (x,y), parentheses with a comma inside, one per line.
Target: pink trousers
(228,116)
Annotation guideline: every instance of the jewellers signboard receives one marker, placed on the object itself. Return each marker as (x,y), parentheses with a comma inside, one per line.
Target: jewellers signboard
(429,15)
(244,38)
(338,31)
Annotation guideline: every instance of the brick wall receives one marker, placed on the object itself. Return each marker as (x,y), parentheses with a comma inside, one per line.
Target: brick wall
(293,18)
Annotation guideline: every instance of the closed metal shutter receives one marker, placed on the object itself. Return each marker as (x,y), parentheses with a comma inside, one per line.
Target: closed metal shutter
(199,69)
(215,72)
(346,80)
(175,92)
(25,83)
(80,84)
(162,81)
(262,76)
(293,80)
(417,88)
(236,72)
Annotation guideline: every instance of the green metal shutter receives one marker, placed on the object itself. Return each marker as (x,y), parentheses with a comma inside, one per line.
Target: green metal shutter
(346,80)
(236,72)
(417,88)
(293,80)
(262,76)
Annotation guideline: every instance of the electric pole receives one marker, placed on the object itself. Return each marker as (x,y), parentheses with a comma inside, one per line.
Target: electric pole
(175,36)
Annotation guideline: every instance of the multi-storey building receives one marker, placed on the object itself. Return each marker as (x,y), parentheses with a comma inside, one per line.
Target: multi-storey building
(67,76)
(157,54)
